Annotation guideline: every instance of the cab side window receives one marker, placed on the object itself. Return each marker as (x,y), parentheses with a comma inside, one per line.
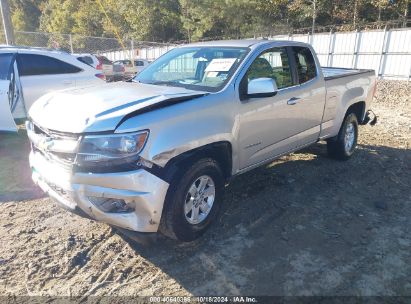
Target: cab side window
(30,64)
(273,63)
(305,63)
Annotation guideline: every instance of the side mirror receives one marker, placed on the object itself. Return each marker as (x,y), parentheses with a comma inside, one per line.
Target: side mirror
(262,87)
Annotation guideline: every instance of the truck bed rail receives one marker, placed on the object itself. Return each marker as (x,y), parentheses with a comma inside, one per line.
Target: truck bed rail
(334,73)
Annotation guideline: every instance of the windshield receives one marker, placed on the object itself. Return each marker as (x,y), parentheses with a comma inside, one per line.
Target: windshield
(196,68)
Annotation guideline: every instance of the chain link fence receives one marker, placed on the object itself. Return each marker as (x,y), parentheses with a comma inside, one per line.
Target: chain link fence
(77,44)
(67,42)
(73,43)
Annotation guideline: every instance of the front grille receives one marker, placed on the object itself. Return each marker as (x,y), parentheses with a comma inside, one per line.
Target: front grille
(53,134)
(66,163)
(65,160)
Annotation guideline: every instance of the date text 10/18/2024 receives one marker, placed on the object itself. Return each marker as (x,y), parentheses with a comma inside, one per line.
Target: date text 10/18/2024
(237,299)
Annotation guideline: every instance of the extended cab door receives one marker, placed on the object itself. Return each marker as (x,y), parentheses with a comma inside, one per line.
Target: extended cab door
(309,95)
(40,74)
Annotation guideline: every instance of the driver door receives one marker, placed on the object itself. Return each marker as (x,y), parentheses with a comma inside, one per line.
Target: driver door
(8,92)
(269,126)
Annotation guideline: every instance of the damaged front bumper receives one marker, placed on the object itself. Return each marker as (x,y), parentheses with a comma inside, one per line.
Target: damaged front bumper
(139,194)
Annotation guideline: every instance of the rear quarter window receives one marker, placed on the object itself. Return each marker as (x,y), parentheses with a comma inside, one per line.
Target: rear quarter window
(305,64)
(86,59)
(31,64)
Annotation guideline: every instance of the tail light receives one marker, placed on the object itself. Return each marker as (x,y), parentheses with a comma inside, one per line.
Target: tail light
(101,76)
(99,65)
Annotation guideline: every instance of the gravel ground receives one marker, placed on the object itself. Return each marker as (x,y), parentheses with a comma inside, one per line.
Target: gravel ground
(303,225)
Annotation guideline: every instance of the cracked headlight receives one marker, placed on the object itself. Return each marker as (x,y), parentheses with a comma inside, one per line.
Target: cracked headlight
(111,149)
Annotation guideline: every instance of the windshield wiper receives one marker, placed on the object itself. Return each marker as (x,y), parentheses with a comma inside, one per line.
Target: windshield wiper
(166,83)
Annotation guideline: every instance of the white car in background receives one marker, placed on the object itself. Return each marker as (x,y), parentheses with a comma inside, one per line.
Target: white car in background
(28,73)
(130,69)
(101,63)
(89,59)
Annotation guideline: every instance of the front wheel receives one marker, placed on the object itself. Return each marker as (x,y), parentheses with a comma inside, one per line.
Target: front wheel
(343,145)
(193,201)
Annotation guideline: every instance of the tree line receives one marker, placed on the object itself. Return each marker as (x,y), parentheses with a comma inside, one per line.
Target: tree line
(174,20)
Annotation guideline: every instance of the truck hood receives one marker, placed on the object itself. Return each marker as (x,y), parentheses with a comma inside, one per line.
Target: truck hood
(102,108)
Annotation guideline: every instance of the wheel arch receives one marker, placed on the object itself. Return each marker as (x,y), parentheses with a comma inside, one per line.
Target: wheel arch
(358,108)
(220,151)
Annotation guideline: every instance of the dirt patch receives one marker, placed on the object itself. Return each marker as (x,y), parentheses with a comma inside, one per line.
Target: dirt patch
(303,225)
(15,180)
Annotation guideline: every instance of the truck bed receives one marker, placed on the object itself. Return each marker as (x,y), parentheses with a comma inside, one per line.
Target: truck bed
(334,73)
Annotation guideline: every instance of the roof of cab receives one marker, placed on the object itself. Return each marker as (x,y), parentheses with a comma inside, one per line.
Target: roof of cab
(28,49)
(242,43)
(60,54)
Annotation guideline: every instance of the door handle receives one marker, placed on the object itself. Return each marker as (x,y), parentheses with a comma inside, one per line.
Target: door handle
(292,101)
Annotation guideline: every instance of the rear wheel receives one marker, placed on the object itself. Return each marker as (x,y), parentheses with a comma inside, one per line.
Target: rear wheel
(343,145)
(193,201)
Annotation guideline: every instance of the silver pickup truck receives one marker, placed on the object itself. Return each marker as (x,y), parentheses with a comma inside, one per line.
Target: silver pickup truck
(154,154)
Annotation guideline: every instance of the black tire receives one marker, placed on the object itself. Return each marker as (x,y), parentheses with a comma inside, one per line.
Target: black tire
(174,223)
(336,146)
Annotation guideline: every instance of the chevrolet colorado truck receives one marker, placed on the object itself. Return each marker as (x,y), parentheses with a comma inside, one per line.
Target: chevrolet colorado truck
(154,154)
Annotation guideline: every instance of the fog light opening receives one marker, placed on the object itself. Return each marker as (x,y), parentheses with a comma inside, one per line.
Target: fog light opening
(112,205)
